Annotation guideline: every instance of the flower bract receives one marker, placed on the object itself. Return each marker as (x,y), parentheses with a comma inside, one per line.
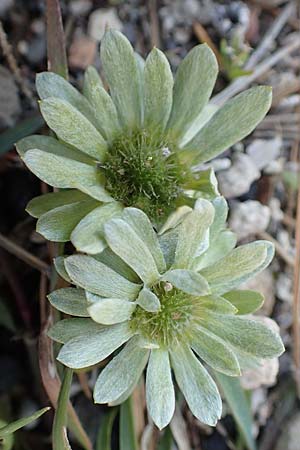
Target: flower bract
(135,145)
(168,302)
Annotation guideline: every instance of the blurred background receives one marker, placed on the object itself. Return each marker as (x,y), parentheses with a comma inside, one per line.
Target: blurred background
(255,42)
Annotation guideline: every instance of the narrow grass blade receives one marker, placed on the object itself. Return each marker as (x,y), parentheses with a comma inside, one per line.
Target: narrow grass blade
(59,435)
(56,47)
(14,426)
(105,430)
(238,403)
(127,436)
(28,126)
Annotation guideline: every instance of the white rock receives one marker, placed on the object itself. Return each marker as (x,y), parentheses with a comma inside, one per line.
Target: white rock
(100,19)
(284,287)
(4,6)
(264,151)
(276,212)
(80,7)
(237,180)
(220,164)
(248,218)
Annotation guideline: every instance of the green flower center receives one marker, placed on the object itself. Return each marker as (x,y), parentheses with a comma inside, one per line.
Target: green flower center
(171,323)
(142,170)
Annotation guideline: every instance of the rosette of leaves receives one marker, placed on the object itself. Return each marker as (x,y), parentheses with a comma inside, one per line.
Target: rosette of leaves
(134,146)
(167,302)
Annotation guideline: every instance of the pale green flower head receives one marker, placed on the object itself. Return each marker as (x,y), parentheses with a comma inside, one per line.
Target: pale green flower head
(134,146)
(168,302)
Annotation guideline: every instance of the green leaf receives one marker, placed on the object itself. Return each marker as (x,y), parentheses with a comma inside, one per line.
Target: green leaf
(121,374)
(87,350)
(216,304)
(58,224)
(9,137)
(70,301)
(246,302)
(234,121)
(148,300)
(214,352)
(59,430)
(121,72)
(99,279)
(91,78)
(197,386)
(192,233)
(247,335)
(238,266)
(72,127)
(67,329)
(14,426)
(127,436)
(187,281)
(194,82)
(204,182)
(63,172)
(105,430)
(220,246)
(160,395)
(102,104)
(44,203)
(110,259)
(158,90)
(240,408)
(88,235)
(108,311)
(49,84)
(6,443)
(141,224)
(49,144)
(126,243)
(59,264)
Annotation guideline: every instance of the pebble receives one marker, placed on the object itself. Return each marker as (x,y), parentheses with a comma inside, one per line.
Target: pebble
(80,7)
(249,218)
(82,52)
(237,180)
(264,151)
(100,19)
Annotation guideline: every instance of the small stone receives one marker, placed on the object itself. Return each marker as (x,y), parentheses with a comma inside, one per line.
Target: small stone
(220,164)
(266,373)
(100,19)
(80,7)
(82,52)
(249,218)
(5,5)
(264,151)
(237,180)
(284,287)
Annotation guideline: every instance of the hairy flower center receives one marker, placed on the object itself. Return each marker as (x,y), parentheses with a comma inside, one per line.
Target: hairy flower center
(142,170)
(170,324)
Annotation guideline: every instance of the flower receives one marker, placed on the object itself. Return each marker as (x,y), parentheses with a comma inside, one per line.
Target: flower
(171,298)
(134,146)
